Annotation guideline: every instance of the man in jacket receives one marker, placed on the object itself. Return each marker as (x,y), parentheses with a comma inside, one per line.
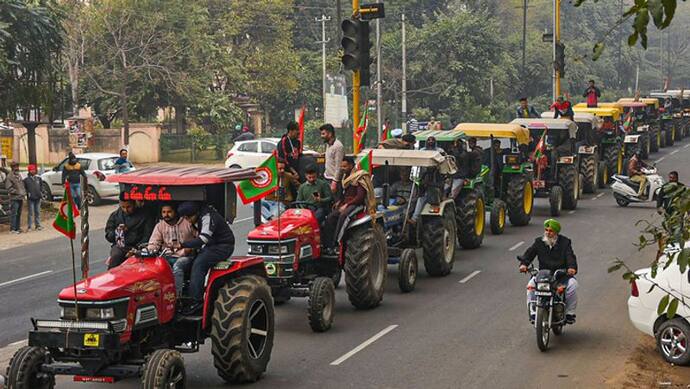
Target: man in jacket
(72,172)
(592,94)
(668,192)
(316,192)
(126,228)
(289,148)
(553,251)
(525,110)
(635,166)
(17,191)
(215,243)
(33,183)
(170,233)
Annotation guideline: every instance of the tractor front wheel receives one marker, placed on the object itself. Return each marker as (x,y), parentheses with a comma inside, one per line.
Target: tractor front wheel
(438,243)
(164,369)
(556,200)
(471,219)
(498,217)
(569,180)
(24,370)
(321,304)
(407,271)
(590,171)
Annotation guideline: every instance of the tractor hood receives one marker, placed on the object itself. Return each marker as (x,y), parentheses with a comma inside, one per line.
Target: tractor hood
(293,223)
(134,276)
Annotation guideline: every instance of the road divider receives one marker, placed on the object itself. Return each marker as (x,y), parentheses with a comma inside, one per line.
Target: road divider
(364,345)
(516,245)
(7,283)
(469,277)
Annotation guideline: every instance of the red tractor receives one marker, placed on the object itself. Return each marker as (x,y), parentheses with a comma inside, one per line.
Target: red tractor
(124,322)
(296,265)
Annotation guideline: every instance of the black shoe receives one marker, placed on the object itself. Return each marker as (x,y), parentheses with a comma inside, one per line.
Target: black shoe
(570,319)
(193,309)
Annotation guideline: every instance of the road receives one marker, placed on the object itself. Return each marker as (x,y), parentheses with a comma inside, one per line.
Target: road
(468,329)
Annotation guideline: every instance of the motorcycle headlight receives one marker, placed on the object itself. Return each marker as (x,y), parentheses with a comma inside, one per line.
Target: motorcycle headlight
(100,313)
(68,313)
(275,249)
(544,287)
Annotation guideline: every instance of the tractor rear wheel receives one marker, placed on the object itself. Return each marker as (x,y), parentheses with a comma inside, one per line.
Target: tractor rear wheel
(498,217)
(613,158)
(471,219)
(438,243)
(569,180)
(589,169)
(366,262)
(164,369)
(242,329)
(520,200)
(321,304)
(24,371)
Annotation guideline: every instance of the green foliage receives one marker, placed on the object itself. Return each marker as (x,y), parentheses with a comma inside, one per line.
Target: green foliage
(201,139)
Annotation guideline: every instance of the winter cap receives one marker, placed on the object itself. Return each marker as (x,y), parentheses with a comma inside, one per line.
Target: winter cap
(409,138)
(188,208)
(397,133)
(32,168)
(553,224)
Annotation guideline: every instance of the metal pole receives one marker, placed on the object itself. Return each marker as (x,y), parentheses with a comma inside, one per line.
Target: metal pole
(339,19)
(556,40)
(524,44)
(355,87)
(379,86)
(637,79)
(404,78)
(323,42)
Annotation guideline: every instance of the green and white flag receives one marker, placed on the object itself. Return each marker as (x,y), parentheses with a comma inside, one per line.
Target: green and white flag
(64,220)
(255,189)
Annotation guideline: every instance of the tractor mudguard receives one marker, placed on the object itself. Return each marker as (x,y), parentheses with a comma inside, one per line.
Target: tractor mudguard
(430,210)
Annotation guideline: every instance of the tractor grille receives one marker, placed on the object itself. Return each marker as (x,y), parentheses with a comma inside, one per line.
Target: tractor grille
(146,314)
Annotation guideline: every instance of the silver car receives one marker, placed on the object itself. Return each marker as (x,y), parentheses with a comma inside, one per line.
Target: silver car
(97,167)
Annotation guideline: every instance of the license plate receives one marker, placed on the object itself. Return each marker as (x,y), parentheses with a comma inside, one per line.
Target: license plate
(92,340)
(539,184)
(543,293)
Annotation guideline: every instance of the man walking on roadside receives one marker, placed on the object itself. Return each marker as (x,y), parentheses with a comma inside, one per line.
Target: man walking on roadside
(17,191)
(592,94)
(32,183)
(334,156)
(72,172)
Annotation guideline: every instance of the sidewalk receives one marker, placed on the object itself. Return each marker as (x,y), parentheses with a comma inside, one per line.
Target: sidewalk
(98,216)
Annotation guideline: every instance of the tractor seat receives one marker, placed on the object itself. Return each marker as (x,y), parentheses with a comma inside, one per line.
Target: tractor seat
(628,181)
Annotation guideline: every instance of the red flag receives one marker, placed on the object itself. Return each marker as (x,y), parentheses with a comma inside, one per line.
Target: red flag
(301,129)
(361,129)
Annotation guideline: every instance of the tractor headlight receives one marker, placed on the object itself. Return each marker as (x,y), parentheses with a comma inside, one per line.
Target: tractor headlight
(511,160)
(277,249)
(543,286)
(68,313)
(100,313)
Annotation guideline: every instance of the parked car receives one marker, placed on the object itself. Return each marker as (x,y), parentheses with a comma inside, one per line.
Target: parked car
(251,153)
(672,335)
(97,167)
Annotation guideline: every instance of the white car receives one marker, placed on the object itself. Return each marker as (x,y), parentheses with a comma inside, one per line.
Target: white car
(251,153)
(672,335)
(97,167)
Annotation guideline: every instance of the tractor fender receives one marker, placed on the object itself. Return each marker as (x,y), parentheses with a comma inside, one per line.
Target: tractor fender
(430,210)
(632,139)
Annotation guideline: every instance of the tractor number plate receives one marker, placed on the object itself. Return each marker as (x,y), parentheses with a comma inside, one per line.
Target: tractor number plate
(539,184)
(543,293)
(92,340)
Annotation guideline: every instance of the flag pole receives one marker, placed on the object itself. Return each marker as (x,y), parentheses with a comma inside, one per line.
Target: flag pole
(74,279)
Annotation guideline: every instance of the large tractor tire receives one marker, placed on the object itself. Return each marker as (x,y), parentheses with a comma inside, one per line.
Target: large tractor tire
(589,169)
(164,369)
(471,219)
(654,140)
(438,243)
(670,134)
(604,176)
(242,329)
(614,159)
(644,148)
(498,217)
(556,201)
(366,263)
(569,180)
(520,200)
(24,372)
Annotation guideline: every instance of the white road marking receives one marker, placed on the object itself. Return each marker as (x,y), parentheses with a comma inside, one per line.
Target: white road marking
(686,146)
(19,343)
(660,159)
(571,212)
(243,220)
(675,151)
(364,344)
(474,273)
(598,196)
(25,278)
(516,245)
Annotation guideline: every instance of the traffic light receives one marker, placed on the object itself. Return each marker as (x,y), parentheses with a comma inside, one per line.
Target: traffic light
(560,58)
(356,46)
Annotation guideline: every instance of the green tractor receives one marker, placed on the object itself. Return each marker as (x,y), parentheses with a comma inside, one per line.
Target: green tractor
(669,116)
(609,140)
(646,122)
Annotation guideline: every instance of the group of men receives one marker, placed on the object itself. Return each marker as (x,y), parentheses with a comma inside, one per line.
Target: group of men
(19,189)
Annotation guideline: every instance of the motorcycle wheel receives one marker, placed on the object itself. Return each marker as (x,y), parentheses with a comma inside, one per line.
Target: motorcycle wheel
(620,200)
(558,330)
(543,333)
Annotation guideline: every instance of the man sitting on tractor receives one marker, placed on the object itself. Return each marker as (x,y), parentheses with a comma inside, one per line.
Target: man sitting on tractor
(430,144)
(357,192)
(462,162)
(316,192)
(215,243)
(635,166)
(170,233)
(126,228)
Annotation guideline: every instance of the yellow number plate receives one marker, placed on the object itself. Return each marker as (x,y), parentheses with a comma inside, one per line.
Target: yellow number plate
(92,340)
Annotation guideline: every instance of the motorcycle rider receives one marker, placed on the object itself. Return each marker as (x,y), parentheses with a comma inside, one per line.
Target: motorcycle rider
(668,192)
(635,174)
(215,243)
(554,251)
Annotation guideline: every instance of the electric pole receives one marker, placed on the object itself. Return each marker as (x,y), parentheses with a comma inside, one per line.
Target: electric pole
(556,41)
(524,45)
(323,42)
(620,46)
(355,83)
(379,82)
(339,18)
(404,78)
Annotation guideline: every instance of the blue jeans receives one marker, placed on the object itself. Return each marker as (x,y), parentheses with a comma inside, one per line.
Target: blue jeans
(76,193)
(35,212)
(271,209)
(15,214)
(180,265)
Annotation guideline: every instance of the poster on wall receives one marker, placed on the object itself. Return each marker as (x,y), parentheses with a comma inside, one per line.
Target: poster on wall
(6,147)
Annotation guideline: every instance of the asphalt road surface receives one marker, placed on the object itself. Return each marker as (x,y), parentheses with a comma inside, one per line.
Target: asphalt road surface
(468,329)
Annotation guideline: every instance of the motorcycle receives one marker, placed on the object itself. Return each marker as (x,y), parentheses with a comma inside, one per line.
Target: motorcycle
(548,305)
(625,190)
